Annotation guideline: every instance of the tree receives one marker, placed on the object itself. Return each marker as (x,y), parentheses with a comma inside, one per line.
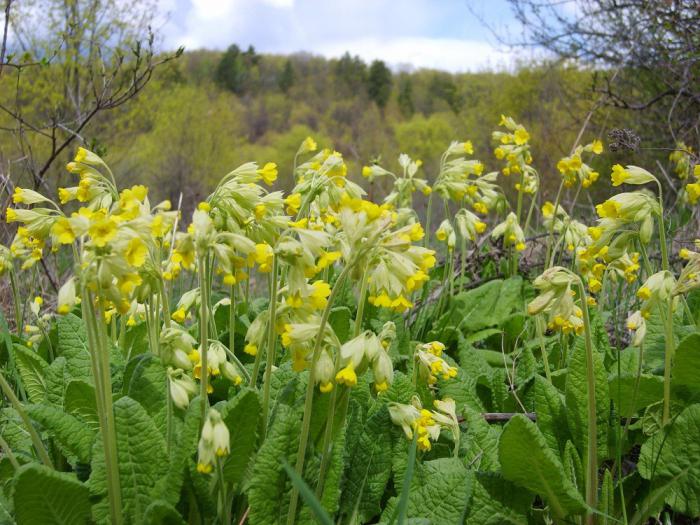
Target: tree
(405,98)
(286,80)
(63,66)
(235,68)
(379,83)
(350,74)
(443,87)
(647,55)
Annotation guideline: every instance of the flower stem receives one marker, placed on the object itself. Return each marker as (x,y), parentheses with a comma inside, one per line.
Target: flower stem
(36,440)
(330,418)
(309,400)
(271,344)
(592,450)
(203,334)
(668,361)
(550,237)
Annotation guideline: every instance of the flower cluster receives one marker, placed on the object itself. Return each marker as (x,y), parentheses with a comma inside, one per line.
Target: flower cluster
(426,424)
(573,170)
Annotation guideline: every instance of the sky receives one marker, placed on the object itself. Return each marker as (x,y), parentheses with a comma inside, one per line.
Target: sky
(438,34)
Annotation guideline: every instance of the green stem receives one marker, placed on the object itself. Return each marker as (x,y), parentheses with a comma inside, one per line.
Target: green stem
(5,448)
(309,399)
(428,213)
(36,440)
(99,350)
(330,418)
(668,361)
(16,299)
(592,451)
(271,344)
(232,318)
(203,334)
(543,348)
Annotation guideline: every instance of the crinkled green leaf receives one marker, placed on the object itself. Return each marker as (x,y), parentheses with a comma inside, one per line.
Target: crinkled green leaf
(673,457)
(496,501)
(74,437)
(32,369)
(57,379)
(183,448)
(80,401)
(268,494)
(369,467)
(162,513)
(527,460)
(479,443)
(649,391)
(551,414)
(241,415)
(577,399)
(686,368)
(72,344)
(141,456)
(44,496)
(147,383)
(440,491)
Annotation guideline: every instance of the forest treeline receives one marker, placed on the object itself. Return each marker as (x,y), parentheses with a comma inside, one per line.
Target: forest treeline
(207,112)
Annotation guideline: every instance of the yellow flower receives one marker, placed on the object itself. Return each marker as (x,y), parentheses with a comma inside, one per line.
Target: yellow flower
(136,252)
(63,231)
(263,257)
(293,203)
(179,315)
(597,147)
(103,230)
(521,136)
(609,209)
(692,189)
(250,349)
(319,294)
(619,175)
(366,171)
(347,376)
(204,206)
(468,147)
(309,144)
(269,173)
(644,293)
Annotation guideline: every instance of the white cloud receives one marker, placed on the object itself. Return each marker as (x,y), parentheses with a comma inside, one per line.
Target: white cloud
(448,54)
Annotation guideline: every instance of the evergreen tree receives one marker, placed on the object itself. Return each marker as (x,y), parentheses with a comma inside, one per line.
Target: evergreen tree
(350,73)
(286,80)
(233,71)
(406,97)
(379,83)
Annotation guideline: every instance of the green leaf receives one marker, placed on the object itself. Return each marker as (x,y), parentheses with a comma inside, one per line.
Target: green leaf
(440,491)
(606,505)
(32,369)
(268,495)
(308,495)
(72,344)
(73,437)
(80,401)
(147,384)
(673,457)
(341,321)
(141,457)
(486,306)
(48,497)
(496,501)
(241,415)
(551,415)
(577,399)
(57,379)
(527,460)
(162,513)
(686,368)
(369,467)
(479,443)
(181,452)
(649,391)
(655,339)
